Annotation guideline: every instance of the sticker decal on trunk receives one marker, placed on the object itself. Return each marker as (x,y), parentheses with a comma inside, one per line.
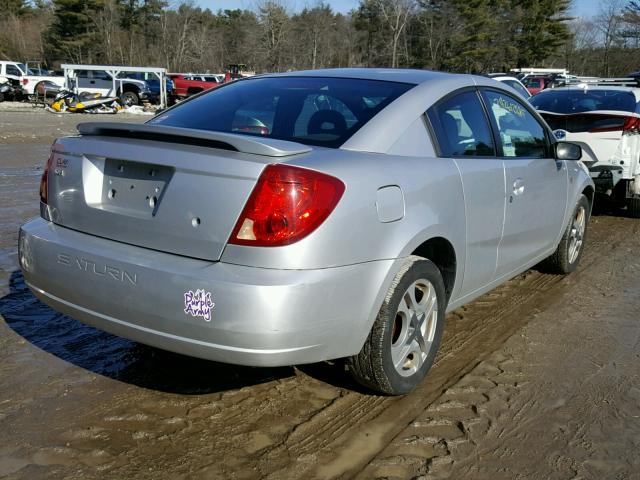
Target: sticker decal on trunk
(198,304)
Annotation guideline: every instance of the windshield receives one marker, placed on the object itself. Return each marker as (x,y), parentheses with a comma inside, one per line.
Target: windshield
(309,110)
(578,101)
(23,68)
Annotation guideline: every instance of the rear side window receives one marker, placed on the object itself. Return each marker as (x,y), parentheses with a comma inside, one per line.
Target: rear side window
(310,110)
(584,100)
(521,135)
(462,127)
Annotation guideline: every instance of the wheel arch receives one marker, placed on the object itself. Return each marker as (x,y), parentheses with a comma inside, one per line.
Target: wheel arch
(589,192)
(442,253)
(130,87)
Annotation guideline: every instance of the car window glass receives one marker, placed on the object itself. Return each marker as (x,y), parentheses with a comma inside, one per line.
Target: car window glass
(584,100)
(518,88)
(310,110)
(255,116)
(521,134)
(334,113)
(532,83)
(13,70)
(463,127)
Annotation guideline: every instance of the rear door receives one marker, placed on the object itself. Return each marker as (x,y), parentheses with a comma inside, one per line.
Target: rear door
(536,184)
(463,133)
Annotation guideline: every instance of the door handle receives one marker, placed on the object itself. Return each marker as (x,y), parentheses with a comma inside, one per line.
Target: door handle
(518,186)
(92,82)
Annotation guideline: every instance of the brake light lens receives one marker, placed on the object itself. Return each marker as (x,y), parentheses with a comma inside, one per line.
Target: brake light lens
(286,205)
(25,81)
(44,180)
(631,126)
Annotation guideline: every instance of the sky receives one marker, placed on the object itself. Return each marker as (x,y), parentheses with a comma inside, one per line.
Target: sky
(581,8)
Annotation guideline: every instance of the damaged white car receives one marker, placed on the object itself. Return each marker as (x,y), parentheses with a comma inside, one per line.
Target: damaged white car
(605,122)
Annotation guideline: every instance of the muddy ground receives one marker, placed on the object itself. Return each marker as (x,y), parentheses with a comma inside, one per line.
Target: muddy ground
(537,379)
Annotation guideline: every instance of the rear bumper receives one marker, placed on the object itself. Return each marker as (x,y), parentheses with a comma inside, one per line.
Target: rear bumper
(260,317)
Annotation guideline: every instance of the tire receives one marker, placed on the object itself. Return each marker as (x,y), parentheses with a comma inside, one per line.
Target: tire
(565,259)
(633,206)
(129,98)
(393,361)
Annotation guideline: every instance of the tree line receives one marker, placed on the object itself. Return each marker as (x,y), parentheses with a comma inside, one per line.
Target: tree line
(475,36)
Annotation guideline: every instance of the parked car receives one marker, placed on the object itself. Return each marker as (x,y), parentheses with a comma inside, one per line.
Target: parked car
(152,82)
(300,217)
(513,82)
(187,84)
(605,122)
(20,75)
(130,91)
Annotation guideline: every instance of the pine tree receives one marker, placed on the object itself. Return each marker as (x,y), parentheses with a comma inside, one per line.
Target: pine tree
(72,34)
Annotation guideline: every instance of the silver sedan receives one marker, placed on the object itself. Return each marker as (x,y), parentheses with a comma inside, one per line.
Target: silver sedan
(306,216)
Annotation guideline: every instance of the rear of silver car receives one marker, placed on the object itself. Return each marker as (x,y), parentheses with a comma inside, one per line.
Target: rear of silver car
(132,241)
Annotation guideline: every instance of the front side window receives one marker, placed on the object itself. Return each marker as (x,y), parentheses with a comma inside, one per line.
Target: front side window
(521,135)
(310,110)
(462,127)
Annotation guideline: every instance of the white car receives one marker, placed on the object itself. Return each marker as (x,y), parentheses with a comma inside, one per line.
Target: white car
(605,122)
(513,82)
(18,72)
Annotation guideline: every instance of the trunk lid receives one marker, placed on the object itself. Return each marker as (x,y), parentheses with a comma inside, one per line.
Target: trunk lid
(599,133)
(165,188)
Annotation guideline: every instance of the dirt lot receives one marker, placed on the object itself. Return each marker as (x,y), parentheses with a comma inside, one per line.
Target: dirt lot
(538,379)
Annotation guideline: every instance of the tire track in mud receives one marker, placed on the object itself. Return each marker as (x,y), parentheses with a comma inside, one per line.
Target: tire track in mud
(490,401)
(339,443)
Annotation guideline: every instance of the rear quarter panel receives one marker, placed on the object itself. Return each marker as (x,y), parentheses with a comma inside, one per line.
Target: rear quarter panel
(354,233)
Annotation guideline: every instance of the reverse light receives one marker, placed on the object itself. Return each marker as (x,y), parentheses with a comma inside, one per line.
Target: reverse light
(286,205)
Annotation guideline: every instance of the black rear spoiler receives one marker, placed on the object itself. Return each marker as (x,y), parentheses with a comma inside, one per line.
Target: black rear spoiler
(268,147)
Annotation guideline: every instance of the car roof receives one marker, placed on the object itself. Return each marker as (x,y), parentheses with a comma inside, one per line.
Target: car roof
(413,76)
(504,77)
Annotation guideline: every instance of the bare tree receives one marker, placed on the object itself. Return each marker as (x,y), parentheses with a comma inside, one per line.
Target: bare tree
(395,14)
(275,22)
(608,23)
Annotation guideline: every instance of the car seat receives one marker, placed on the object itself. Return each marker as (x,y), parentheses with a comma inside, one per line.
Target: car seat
(328,122)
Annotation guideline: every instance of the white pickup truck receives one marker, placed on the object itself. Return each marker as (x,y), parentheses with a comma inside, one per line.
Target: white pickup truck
(18,72)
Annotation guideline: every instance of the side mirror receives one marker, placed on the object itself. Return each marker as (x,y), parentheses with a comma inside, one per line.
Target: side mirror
(568,151)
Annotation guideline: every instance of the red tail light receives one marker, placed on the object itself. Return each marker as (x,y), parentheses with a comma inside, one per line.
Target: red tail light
(286,205)
(44,181)
(25,81)
(631,125)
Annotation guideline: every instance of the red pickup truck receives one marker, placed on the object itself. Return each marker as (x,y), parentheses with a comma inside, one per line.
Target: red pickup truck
(187,84)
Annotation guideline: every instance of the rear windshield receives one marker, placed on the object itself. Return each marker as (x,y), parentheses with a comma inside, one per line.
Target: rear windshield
(577,101)
(309,110)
